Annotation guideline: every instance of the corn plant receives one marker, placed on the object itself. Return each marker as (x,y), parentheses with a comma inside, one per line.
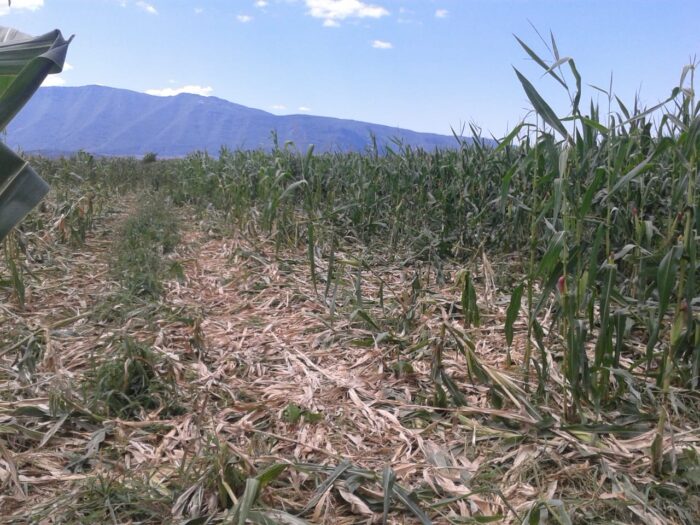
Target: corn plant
(608,260)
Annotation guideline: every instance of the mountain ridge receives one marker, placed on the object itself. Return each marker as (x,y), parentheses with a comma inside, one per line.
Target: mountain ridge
(112,121)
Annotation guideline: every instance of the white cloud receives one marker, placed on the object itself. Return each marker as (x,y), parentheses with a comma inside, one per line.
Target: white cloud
(278,107)
(30,5)
(304,109)
(198,10)
(171,92)
(244,19)
(441,13)
(147,7)
(261,3)
(53,80)
(407,16)
(381,44)
(331,11)
(67,67)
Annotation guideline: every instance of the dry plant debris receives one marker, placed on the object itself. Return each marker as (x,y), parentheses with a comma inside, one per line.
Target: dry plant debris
(270,400)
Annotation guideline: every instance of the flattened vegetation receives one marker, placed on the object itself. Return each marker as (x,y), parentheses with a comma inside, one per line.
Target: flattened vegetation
(250,390)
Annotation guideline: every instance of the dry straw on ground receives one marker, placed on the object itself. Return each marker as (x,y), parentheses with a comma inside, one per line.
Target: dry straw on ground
(268,370)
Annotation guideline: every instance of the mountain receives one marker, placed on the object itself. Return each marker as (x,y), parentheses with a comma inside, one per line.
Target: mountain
(110,121)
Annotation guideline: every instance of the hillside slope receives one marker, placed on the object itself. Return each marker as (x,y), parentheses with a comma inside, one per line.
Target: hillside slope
(110,121)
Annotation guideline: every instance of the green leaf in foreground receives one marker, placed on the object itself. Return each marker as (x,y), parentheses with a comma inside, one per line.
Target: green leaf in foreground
(388,479)
(25,62)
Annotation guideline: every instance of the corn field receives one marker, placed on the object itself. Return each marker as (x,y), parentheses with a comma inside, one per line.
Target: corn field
(494,333)
(601,226)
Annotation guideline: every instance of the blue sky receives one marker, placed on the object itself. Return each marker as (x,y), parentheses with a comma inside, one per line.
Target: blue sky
(426,65)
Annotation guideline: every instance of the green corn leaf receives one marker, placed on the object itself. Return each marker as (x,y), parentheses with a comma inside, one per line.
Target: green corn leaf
(505,141)
(676,334)
(366,318)
(555,49)
(592,189)
(642,114)
(331,268)
(388,480)
(323,487)
(623,108)
(557,63)
(308,159)
(20,189)
(548,286)
(557,185)
(634,172)
(563,161)
(312,253)
(666,278)
(665,281)
(404,497)
(577,77)
(539,61)
(466,346)
(595,253)
(470,308)
(240,512)
(270,474)
(551,256)
(542,108)
(25,62)
(558,512)
(604,343)
(588,122)
(452,388)
(597,88)
(512,313)
(505,188)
